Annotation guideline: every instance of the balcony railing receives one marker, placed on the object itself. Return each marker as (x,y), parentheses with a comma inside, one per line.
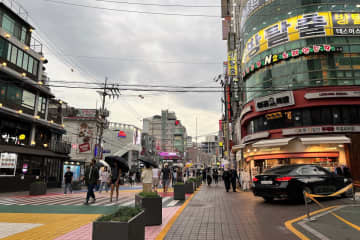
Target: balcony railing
(60,147)
(17,8)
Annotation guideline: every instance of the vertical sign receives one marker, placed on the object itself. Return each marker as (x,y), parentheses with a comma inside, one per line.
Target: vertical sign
(232,64)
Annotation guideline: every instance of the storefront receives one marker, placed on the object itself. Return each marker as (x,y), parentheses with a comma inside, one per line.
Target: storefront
(327,151)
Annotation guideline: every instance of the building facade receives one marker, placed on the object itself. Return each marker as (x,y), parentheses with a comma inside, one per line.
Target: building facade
(31,146)
(169,134)
(299,68)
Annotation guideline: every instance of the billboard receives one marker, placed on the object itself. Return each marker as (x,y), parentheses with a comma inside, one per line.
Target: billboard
(300,27)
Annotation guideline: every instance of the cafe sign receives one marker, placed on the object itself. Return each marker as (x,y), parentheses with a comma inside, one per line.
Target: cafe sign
(321,129)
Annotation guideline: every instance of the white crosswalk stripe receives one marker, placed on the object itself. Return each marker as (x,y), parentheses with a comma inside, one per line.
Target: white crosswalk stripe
(173,203)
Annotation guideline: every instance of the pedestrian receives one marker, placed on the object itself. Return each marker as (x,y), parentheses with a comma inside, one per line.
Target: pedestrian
(104,179)
(174,175)
(138,176)
(208,177)
(91,179)
(115,180)
(147,178)
(166,177)
(339,171)
(156,178)
(131,179)
(233,178)
(68,177)
(204,175)
(216,176)
(179,175)
(226,178)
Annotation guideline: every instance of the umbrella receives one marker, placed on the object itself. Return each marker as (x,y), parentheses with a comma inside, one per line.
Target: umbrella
(122,162)
(149,161)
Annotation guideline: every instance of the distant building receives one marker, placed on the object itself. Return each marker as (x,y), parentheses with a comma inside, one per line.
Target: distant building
(169,134)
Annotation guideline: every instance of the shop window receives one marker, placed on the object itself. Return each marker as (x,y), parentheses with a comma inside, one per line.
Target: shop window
(31,65)
(14,95)
(8,24)
(25,61)
(28,100)
(20,58)
(14,54)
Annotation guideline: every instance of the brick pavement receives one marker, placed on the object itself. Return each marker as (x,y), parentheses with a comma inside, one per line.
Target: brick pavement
(215,214)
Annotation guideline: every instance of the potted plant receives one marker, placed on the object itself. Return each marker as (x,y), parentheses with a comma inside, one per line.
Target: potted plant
(179,191)
(76,185)
(126,222)
(37,188)
(189,186)
(151,202)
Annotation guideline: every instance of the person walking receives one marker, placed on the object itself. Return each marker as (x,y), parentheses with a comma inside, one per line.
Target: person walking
(204,175)
(226,178)
(173,177)
(104,179)
(68,177)
(216,176)
(208,177)
(147,178)
(115,180)
(166,177)
(131,181)
(156,178)
(91,179)
(233,178)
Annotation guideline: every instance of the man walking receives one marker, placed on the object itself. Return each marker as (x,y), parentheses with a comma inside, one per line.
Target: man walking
(68,177)
(233,178)
(156,176)
(226,178)
(91,178)
(166,177)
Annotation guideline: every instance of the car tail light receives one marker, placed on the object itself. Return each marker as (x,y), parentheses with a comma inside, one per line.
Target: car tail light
(283,179)
(255,179)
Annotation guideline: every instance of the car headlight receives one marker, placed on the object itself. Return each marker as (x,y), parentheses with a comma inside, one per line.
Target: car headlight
(346,180)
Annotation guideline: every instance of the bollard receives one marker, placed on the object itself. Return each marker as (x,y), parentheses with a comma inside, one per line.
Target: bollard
(353,192)
(306,206)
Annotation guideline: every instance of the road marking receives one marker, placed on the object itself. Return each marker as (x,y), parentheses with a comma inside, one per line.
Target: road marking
(130,203)
(165,199)
(313,231)
(173,203)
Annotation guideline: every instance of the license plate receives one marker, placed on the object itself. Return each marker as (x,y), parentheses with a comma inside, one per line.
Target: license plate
(266,182)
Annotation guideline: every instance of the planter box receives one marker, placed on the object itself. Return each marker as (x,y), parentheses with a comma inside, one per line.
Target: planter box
(134,229)
(37,189)
(152,208)
(189,187)
(76,186)
(179,192)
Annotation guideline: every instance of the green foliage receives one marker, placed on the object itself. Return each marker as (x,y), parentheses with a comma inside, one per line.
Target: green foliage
(149,194)
(191,180)
(123,214)
(179,184)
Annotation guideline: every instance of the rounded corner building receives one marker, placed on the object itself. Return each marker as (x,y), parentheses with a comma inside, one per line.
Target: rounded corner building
(300,67)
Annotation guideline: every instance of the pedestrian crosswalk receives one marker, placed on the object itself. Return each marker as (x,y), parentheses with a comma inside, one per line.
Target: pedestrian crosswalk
(77,200)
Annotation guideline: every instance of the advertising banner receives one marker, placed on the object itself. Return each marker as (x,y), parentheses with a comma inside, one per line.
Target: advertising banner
(232,64)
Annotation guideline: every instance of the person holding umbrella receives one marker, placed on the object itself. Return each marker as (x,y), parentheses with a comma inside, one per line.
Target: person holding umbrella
(115,180)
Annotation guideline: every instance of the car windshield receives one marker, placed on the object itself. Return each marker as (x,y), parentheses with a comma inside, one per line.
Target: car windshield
(280,170)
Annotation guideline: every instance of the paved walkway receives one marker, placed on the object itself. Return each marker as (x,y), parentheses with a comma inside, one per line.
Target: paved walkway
(214,214)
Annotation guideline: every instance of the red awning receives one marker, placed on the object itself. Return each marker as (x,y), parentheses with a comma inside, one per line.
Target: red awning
(294,155)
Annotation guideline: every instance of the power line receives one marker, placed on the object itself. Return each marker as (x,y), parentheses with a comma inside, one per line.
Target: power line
(131,11)
(160,5)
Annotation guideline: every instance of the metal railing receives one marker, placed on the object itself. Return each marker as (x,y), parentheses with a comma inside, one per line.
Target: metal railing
(60,147)
(17,8)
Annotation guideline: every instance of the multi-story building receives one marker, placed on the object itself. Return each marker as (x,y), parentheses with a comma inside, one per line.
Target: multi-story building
(31,145)
(299,67)
(169,134)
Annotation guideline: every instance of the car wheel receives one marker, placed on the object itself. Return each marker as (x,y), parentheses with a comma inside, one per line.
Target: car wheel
(268,199)
(308,190)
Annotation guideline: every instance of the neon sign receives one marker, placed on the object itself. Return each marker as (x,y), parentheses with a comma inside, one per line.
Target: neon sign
(274,58)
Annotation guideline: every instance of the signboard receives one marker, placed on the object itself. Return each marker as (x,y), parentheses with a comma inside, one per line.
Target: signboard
(88,113)
(278,100)
(332,94)
(300,27)
(168,154)
(225,28)
(75,169)
(255,136)
(321,129)
(275,58)
(85,147)
(8,163)
(232,63)
(245,110)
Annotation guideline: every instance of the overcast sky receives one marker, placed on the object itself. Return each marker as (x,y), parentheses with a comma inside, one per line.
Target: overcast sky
(136,47)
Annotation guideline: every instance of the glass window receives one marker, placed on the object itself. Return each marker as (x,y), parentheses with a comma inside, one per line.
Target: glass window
(36,66)
(8,57)
(25,61)
(14,94)
(2,91)
(20,58)
(8,24)
(28,100)
(23,35)
(14,54)
(309,170)
(3,47)
(31,65)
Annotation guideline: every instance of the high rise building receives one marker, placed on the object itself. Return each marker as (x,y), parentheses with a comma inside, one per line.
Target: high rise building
(31,146)
(299,72)
(169,134)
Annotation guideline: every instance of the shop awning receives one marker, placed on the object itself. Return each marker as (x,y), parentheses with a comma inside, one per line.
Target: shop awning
(31,151)
(273,142)
(325,139)
(236,148)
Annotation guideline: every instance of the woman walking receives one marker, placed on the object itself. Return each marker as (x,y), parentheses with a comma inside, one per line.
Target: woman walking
(115,180)
(104,179)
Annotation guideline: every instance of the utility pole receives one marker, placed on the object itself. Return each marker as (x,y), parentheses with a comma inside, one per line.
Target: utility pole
(102,114)
(197,150)
(227,120)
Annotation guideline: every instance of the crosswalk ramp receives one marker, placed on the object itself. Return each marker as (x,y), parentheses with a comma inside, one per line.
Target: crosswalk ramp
(77,200)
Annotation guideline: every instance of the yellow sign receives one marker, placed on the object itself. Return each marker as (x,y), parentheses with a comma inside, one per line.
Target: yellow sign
(221,144)
(232,64)
(22,137)
(288,30)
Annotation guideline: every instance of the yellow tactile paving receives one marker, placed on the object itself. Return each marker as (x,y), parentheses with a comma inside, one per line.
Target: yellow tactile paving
(55,225)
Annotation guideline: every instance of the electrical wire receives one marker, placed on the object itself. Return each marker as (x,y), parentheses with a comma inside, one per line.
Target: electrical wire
(160,5)
(131,11)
